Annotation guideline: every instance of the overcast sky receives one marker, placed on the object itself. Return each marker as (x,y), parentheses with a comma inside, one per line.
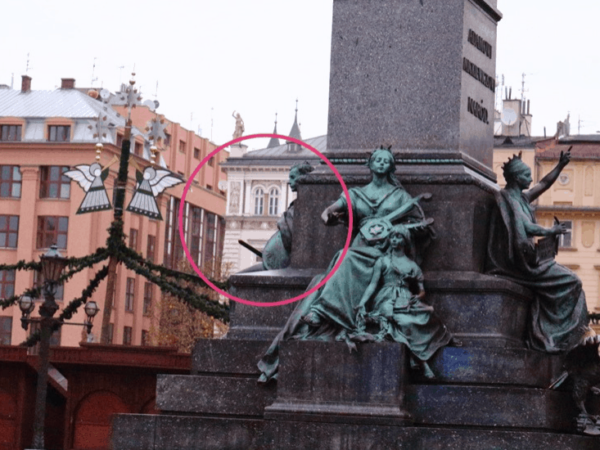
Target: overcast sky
(211,57)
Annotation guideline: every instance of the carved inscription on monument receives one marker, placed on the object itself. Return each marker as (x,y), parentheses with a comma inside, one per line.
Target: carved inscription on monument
(477,110)
(479,75)
(480,44)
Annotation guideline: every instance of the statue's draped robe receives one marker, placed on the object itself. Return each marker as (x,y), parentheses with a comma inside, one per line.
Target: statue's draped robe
(277,250)
(336,301)
(558,317)
(411,321)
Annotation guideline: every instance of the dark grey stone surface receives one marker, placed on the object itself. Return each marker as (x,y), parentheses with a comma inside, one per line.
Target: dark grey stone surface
(166,432)
(397,76)
(173,432)
(230,395)
(221,356)
(495,366)
(263,323)
(324,381)
(491,406)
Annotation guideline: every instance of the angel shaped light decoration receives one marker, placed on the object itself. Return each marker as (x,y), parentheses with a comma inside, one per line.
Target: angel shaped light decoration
(91,179)
(151,182)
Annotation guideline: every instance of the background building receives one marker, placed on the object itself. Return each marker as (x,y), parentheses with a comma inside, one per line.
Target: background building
(258,193)
(44,133)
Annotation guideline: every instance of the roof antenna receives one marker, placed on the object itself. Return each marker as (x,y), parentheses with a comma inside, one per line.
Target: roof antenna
(27,68)
(94,72)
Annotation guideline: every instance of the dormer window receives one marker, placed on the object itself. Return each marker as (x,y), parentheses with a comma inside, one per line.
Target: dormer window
(10,133)
(59,133)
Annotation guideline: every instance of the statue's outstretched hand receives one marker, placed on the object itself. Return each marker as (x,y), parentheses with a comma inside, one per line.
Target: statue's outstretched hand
(559,228)
(565,158)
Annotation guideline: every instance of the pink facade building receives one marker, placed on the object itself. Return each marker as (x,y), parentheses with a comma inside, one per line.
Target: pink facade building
(44,133)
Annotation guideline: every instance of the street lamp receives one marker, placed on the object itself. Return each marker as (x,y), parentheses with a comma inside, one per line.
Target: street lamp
(53,264)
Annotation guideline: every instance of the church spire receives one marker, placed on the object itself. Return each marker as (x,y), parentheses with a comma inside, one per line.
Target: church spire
(274,142)
(295,131)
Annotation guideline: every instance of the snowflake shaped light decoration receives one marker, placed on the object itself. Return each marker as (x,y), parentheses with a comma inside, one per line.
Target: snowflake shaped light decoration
(156,129)
(101,127)
(129,95)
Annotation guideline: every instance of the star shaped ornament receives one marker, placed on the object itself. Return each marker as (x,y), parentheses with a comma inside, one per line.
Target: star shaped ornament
(101,127)
(376,229)
(156,129)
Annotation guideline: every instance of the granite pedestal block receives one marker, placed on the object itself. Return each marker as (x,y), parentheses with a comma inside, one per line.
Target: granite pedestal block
(321,381)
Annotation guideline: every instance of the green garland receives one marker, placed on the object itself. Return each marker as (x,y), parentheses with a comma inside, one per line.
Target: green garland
(22,265)
(33,339)
(10,301)
(74,305)
(198,301)
(126,252)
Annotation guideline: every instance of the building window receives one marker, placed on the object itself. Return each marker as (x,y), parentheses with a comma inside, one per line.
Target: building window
(209,187)
(138,149)
(111,330)
(196,153)
(5,330)
(259,198)
(181,146)
(127,332)
(274,202)
(7,283)
(9,231)
(196,235)
(145,338)
(209,242)
(167,139)
(151,248)
(133,239)
(129,294)
(173,252)
(11,133)
(59,133)
(566,240)
(211,161)
(38,281)
(52,230)
(53,183)
(147,309)
(10,181)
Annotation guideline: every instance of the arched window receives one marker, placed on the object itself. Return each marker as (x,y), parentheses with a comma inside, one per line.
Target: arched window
(274,202)
(259,199)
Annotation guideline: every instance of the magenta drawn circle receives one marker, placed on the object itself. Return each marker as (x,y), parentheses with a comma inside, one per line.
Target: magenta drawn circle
(242,300)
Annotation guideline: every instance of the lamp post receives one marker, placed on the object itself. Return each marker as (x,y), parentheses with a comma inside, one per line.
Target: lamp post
(53,264)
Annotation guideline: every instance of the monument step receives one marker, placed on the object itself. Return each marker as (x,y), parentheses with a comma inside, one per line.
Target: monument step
(174,432)
(486,406)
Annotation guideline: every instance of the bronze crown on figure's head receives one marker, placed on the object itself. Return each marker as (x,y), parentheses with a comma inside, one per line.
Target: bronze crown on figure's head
(514,166)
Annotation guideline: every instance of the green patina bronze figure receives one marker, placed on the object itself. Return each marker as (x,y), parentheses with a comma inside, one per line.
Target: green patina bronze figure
(277,250)
(558,318)
(330,313)
(397,308)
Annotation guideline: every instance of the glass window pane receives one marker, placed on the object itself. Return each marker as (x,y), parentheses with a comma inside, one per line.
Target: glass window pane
(10,275)
(53,191)
(65,190)
(48,240)
(5,190)
(12,240)
(50,223)
(2,239)
(16,190)
(14,223)
(54,173)
(16,173)
(61,242)
(6,172)
(63,223)
(3,222)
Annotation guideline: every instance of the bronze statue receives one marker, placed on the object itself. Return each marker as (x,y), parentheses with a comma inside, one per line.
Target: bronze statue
(398,308)
(277,250)
(330,313)
(558,318)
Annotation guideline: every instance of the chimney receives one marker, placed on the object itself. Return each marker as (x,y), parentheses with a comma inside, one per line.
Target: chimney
(25,83)
(67,83)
